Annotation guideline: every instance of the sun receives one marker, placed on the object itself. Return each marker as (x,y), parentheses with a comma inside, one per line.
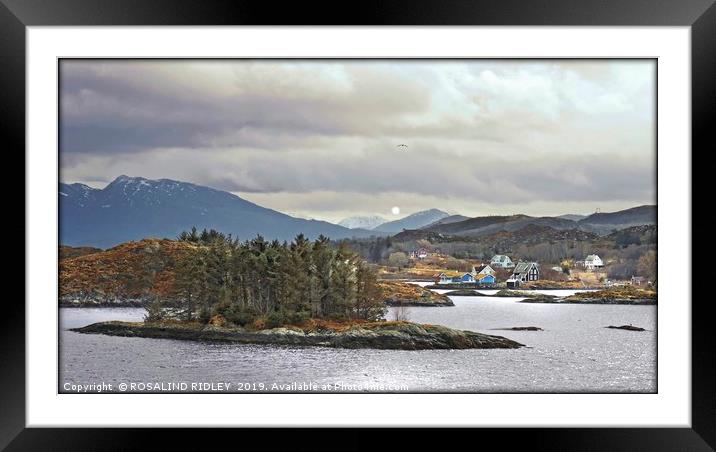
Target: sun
(395,210)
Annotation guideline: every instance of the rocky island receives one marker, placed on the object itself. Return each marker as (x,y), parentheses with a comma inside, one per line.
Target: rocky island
(378,335)
(616,295)
(396,293)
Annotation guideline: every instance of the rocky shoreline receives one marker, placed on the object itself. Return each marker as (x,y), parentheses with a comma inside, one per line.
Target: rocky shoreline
(419,302)
(627,296)
(458,286)
(406,294)
(378,335)
(626,301)
(98,300)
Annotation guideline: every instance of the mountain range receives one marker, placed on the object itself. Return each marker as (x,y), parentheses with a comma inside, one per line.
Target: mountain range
(134,208)
(368,222)
(597,223)
(414,221)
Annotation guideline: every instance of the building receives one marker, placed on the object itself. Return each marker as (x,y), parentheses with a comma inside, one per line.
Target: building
(513,283)
(442,278)
(526,271)
(593,262)
(466,278)
(638,281)
(421,253)
(612,283)
(483,270)
(486,279)
(501,261)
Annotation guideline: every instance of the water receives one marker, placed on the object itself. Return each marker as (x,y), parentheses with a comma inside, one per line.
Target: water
(574,353)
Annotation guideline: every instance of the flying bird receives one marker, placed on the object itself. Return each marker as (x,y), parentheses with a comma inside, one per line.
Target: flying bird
(402,146)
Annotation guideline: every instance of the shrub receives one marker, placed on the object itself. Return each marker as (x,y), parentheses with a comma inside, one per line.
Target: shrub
(274,319)
(236,314)
(298,316)
(204,314)
(155,311)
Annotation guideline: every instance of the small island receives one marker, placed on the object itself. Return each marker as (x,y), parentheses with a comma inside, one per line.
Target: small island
(378,335)
(209,287)
(396,293)
(465,293)
(614,295)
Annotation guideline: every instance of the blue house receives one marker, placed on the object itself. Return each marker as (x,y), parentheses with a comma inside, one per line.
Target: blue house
(466,278)
(487,279)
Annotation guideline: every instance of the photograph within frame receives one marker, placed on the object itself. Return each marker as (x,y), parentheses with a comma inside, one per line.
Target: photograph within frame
(92,281)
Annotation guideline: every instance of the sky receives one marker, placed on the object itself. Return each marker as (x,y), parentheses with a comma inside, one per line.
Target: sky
(319,138)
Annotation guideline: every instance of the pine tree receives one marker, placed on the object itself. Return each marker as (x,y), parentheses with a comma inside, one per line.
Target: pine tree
(322,290)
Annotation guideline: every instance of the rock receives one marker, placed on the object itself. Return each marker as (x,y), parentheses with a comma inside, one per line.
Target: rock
(379,335)
(464,293)
(626,327)
(98,299)
(521,328)
(512,293)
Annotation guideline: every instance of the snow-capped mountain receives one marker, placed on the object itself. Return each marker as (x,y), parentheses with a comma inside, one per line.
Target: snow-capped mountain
(414,221)
(368,222)
(134,208)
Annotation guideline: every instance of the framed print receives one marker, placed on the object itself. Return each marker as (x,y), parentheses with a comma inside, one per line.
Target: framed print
(388,222)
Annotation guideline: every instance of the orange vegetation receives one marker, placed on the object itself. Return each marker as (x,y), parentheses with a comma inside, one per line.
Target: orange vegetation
(68,252)
(129,269)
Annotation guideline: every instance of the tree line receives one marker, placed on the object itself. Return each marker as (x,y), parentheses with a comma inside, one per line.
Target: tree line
(278,282)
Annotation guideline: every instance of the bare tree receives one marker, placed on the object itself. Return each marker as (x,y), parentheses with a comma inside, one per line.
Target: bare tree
(402,313)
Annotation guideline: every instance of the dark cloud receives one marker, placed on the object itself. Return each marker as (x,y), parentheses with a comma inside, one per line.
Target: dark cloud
(109,101)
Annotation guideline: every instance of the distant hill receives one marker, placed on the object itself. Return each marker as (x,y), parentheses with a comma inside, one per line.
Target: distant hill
(487,225)
(368,222)
(606,222)
(572,216)
(134,208)
(414,221)
(599,223)
(635,235)
(533,234)
(447,220)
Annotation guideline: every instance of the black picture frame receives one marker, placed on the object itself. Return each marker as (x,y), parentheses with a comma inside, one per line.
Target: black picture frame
(699,15)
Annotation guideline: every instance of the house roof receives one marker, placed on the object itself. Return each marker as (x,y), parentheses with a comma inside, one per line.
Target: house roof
(499,258)
(485,276)
(523,267)
(591,258)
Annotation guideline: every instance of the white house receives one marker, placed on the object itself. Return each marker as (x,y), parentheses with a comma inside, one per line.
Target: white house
(513,283)
(483,270)
(501,261)
(442,278)
(421,253)
(593,262)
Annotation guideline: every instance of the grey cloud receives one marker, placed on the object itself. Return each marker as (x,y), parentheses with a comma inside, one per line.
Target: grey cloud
(487,133)
(103,100)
